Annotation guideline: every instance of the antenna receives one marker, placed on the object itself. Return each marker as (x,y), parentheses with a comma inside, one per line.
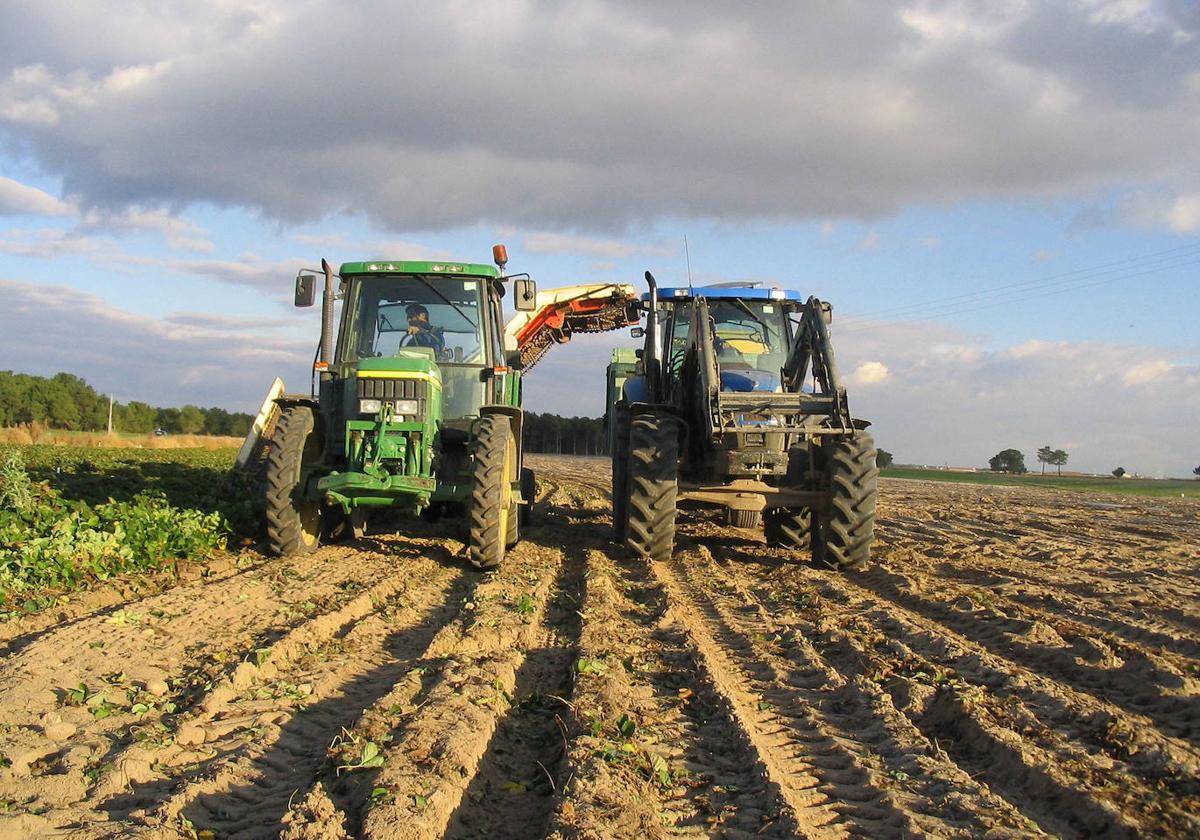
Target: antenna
(688,256)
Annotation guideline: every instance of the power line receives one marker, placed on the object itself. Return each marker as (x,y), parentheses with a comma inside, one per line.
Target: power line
(1173,258)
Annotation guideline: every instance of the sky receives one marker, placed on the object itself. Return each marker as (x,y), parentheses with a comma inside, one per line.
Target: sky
(1000,200)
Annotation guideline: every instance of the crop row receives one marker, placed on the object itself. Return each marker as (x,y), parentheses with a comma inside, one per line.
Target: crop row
(70,516)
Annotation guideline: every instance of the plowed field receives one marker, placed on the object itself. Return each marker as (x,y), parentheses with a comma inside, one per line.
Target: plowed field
(1016,663)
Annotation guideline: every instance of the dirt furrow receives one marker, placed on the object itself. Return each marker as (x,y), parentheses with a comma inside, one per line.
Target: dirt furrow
(1136,685)
(942,799)
(262,735)
(126,682)
(430,765)
(839,791)
(1040,745)
(657,748)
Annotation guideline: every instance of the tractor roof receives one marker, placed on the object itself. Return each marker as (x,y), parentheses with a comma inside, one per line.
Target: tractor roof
(724,292)
(418,267)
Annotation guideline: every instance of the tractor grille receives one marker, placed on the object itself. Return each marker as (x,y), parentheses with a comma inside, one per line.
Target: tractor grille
(392,389)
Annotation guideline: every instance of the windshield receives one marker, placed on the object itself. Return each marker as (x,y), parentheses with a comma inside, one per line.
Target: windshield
(391,312)
(751,343)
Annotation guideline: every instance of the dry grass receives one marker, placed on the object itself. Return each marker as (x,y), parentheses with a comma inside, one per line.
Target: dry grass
(36,433)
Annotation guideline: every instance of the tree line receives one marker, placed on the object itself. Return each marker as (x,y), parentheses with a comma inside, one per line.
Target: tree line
(557,435)
(65,401)
(1013,460)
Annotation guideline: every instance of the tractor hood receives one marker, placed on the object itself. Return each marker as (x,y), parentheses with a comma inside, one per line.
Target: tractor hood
(409,362)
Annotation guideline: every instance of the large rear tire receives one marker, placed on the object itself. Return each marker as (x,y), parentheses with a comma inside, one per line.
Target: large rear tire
(847,526)
(293,522)
(791,528)
(620,473)
(494,452)
(653,485)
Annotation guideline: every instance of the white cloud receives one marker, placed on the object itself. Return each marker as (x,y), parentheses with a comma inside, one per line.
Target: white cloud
(371,249)
(954,102)
(561,243)
(869,373)
(177,232)
(17,199)
(226,323)
(948,398)
(1178,212)
(1183,216)
(184,359)
(870,242)
(52,243)
(1144,373)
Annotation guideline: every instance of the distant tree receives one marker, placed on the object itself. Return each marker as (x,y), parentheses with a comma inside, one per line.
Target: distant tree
(883,458)
(239,424)
(1058,458)
(1196,472)
(1118,472)
(168,420)
(1009,461)
(1045,456)
(191,420)
(134,417)
(62,411)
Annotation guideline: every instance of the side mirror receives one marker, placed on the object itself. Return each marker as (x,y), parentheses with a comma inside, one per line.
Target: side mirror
(637,332)
(306,289)
(524,294)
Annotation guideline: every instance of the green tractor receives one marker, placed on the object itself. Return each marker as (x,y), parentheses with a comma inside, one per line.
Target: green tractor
(418,407)
(735,402)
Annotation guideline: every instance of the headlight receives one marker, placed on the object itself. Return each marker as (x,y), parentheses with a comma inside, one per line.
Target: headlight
(369,406)
(409,407)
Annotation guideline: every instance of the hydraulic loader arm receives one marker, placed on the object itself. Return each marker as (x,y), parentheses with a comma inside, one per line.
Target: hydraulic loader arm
(813,351)
(560,313)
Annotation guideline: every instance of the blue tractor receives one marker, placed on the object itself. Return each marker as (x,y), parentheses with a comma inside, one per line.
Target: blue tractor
(735,401)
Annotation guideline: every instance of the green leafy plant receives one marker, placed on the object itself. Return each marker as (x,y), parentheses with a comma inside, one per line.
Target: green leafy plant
(590,666)
(525,605)
(368,757)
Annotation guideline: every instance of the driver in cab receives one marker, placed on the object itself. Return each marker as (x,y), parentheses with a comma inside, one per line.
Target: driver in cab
(421,333)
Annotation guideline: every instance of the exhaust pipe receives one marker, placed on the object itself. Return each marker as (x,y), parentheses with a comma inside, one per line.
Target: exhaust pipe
(650,357)
(326,321)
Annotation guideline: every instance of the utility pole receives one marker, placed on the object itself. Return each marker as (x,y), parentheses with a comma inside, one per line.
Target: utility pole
(110,403)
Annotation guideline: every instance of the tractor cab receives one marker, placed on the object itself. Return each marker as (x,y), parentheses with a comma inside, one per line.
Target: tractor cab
(416,320)
(751,333)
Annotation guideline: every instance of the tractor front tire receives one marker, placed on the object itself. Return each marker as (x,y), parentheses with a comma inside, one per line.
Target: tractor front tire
(791,528)
(653,485)
(620,473)
(293,522)
(494,452)
(847,526)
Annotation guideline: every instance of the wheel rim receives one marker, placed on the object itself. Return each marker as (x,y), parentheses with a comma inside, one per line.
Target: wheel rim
(310,523)
(505,492)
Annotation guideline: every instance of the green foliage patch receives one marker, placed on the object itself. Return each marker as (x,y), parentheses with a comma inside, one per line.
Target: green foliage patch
(196,479)
(57,539)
